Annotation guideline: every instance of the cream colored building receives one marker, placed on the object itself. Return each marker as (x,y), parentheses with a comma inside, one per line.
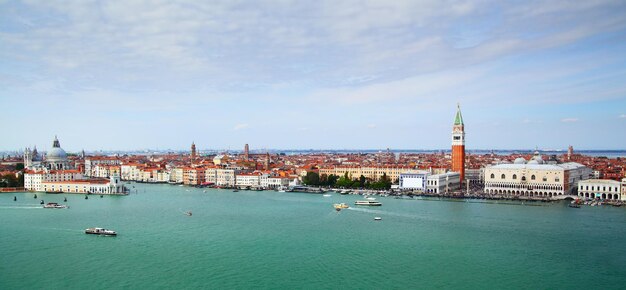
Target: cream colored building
(370,172)
(221,176)
(601,189)
(534,179)
(112,185)
(33,180)
(247,179)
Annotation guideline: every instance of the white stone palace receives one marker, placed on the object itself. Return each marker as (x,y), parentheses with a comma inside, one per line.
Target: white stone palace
(534,178)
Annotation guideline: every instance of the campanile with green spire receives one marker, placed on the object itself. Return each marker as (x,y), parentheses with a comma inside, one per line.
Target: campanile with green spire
(458,144)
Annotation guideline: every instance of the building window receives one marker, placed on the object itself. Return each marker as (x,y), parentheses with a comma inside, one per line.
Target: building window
(503,176)
(493,176)
(514,176)
(532,177)
(557,179)
(523,178)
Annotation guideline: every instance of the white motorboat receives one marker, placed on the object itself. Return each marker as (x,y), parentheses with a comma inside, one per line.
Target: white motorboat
(54,205)
(100,231)
(368,202)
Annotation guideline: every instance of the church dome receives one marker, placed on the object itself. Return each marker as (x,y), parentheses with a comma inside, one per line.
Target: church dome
(533,162)
(519,160)
(56,154)
(538,159)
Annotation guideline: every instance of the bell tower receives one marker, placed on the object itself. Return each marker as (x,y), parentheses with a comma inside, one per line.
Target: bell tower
(458,144)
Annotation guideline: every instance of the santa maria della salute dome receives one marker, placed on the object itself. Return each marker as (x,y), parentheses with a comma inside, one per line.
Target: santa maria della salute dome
(56,158)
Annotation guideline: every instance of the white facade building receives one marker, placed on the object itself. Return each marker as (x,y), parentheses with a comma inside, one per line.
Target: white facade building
(600,189)
(247,180)
(534,179)
(443,183)
(413,181)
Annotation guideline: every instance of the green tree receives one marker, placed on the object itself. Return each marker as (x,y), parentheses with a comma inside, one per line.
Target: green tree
(362,180)
(311,178)
(332,180)
(19,166)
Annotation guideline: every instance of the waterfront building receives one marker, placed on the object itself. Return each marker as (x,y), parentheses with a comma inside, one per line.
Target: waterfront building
(221,176)
(274,182)
(194,175)
(370,172)
(458,144)
(623,188)
(601,189)
(413,181)
(247,180)
(443,183)
(176,175)
(34,180)
(96,186)
(534,178)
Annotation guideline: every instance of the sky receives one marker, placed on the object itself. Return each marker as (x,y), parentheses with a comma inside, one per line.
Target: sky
(336,74)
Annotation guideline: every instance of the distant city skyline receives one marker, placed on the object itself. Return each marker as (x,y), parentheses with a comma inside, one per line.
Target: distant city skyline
(124,75)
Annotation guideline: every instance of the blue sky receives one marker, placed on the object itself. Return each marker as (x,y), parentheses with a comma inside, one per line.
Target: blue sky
(312,74)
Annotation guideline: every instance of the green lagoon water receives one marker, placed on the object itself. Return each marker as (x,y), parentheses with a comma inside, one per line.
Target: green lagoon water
(296,240)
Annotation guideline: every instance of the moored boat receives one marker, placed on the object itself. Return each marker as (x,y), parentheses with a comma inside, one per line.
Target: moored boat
(100,231)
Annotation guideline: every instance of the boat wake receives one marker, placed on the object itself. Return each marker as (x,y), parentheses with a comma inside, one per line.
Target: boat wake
(20,206)
(381,212)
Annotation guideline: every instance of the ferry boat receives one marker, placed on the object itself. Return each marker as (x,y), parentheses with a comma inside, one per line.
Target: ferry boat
(378,218)
(100,231)
(54,205)
(368,202)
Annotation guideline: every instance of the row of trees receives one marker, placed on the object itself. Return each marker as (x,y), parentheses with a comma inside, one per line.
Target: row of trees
(9,180)
(345,181)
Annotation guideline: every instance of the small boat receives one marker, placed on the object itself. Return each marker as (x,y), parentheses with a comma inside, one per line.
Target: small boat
(368,202)
(42,202)
(35,196)
(326,195)
(86,197)
(15,198)
(101,196)
(65,199)
(188,213)
(54,205)
(370,198)
(574,205)
(378,218)
(235,190)
(340,206)
(100,231)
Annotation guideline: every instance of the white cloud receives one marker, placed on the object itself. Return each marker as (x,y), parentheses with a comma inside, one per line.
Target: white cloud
(622,116)
(569,120)
(240,126)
